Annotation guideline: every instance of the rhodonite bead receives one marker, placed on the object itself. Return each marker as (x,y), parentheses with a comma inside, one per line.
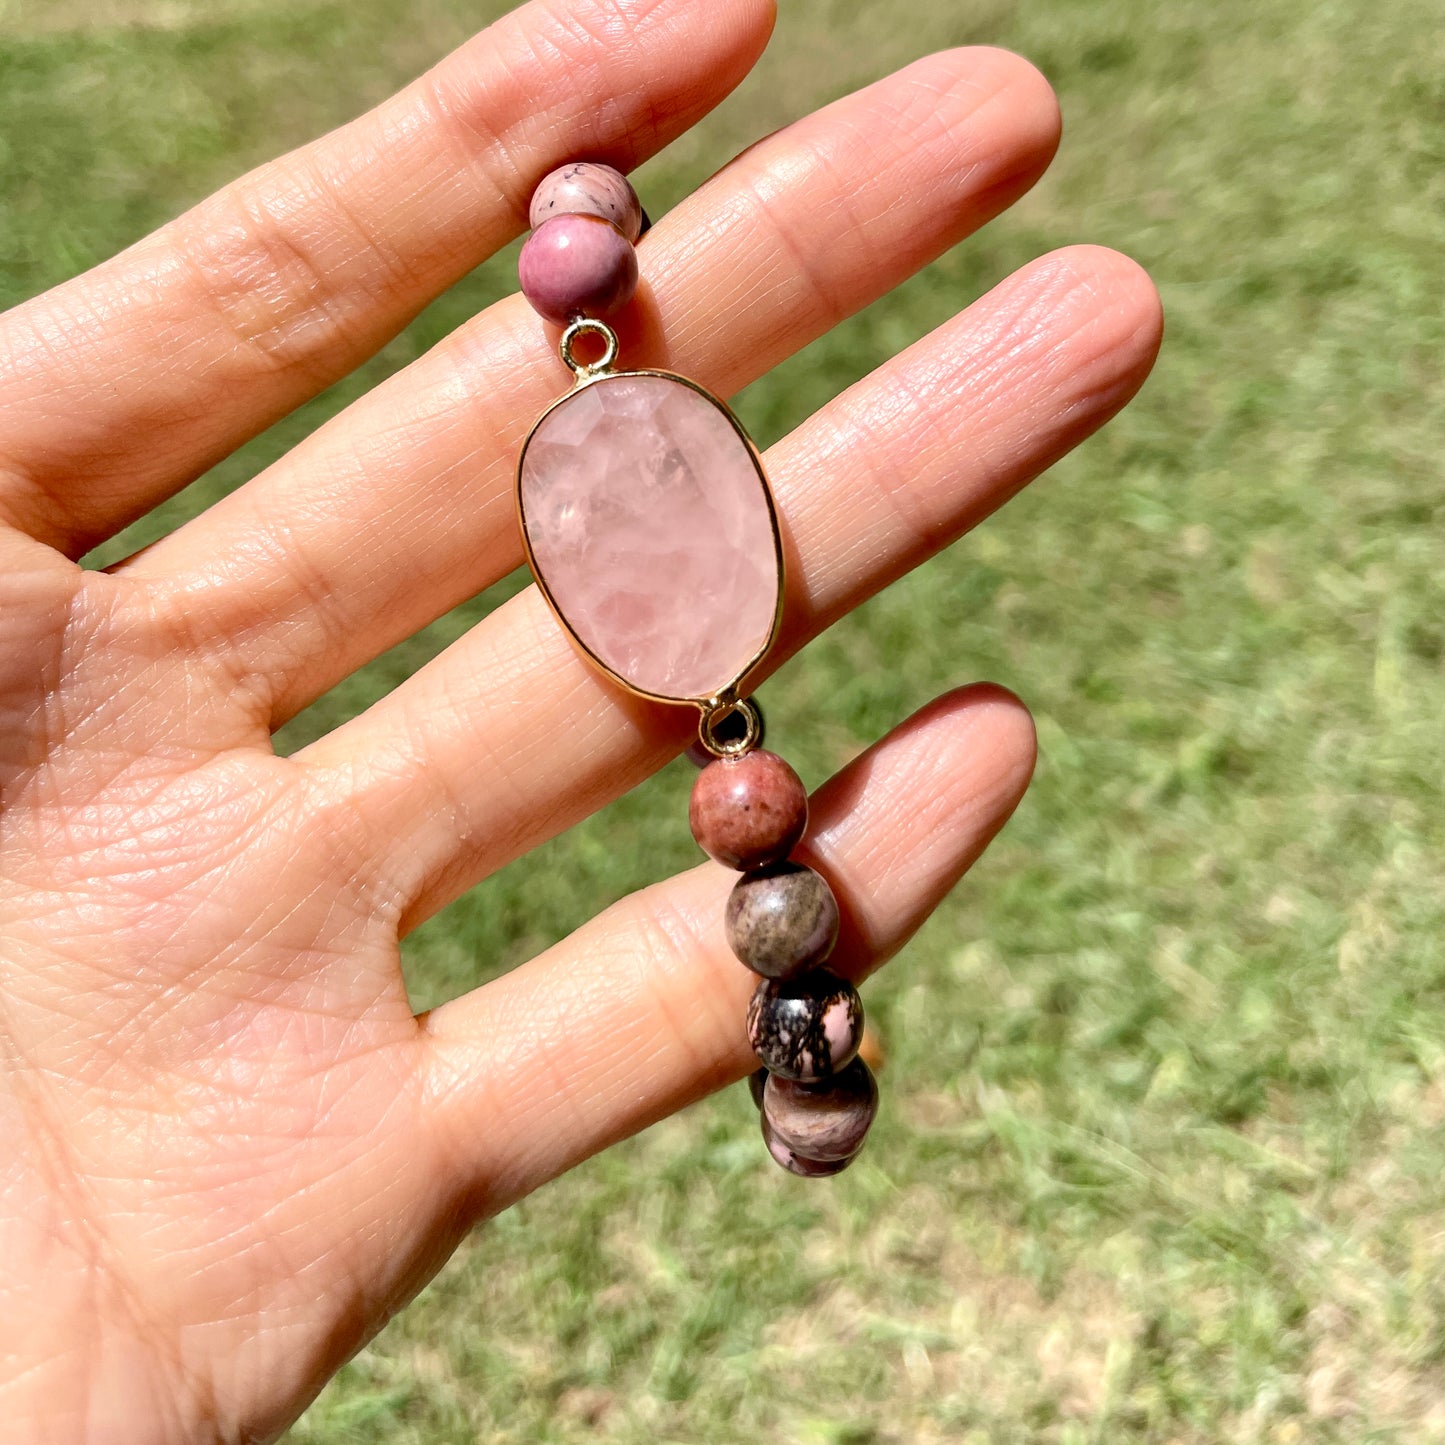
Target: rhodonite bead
(796,1164)
(806,1028)
(826,1121)
(748,812)
(577,266)
(587,188)
(781,920)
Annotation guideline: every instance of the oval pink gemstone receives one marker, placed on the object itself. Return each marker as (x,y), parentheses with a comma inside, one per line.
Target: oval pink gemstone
(651,528)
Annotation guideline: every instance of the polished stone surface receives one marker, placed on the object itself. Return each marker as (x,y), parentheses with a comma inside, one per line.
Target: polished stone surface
(827,1121)
(649,524)
(796,1164)
(577,266)
(588,188)
(748,812)
(782,920)
(806,1028)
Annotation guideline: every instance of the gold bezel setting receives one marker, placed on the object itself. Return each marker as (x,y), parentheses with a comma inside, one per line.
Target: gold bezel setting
(598,374)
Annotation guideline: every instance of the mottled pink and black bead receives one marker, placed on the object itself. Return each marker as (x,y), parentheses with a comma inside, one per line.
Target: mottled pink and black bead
(806,1028)
(748,812)
(782,920)
(826,1121)
(796,1164)
(577,266)
(587,188)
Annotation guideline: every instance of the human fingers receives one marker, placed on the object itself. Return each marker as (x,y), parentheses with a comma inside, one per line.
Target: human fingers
(403,506)
(508,736)
(120,386)
(641,1010)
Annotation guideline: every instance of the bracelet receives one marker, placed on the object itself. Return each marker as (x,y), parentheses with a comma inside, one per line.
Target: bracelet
(652,533)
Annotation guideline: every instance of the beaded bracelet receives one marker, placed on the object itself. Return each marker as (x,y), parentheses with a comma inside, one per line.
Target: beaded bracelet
(650,527)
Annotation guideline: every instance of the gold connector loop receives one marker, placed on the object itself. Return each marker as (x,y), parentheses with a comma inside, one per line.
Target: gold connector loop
(716,713)
(588,326)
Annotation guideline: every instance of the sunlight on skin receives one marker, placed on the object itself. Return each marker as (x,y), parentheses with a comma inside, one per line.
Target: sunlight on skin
(231,1149)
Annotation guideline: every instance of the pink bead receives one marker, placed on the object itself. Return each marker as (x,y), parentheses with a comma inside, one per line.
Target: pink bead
(577,266)
(586,188)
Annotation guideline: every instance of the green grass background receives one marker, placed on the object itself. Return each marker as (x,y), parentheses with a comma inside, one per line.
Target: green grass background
(1161,1150)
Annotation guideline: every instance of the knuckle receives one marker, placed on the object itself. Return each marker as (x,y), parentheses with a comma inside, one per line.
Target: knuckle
(273,257)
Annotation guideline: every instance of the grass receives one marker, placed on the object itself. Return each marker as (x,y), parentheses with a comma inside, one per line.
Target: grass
(1160,1157)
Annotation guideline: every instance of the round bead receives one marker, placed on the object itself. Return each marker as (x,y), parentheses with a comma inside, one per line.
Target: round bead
(748,811)
(796,1164)
(577,266)
(781,920)
(756,1082)
(806,1028)
(825,1121)
(587,188)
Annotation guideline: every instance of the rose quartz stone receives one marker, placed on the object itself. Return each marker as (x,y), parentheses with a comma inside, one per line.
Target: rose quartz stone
(649,525)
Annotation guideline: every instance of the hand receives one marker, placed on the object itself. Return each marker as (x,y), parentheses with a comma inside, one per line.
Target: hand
(230,1150)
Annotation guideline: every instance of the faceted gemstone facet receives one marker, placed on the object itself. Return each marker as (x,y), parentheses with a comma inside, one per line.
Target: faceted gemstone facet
(650,527)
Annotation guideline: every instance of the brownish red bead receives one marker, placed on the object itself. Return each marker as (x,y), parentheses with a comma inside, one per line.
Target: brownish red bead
(748,812)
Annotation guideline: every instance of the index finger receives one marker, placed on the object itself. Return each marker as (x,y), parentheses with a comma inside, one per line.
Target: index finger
(119,387)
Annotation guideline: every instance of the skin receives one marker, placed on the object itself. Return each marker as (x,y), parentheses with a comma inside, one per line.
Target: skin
(229,1150)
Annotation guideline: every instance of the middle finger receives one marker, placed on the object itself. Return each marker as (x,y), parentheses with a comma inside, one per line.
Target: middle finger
(402,506)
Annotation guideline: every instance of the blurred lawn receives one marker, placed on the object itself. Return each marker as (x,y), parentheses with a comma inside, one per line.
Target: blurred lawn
(1160,1154)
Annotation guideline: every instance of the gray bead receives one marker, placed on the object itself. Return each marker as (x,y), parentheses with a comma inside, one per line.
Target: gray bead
(823,1122)
(805,1028)
(782,920)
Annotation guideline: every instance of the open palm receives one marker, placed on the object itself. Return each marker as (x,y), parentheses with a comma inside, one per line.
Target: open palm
(230,1149)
